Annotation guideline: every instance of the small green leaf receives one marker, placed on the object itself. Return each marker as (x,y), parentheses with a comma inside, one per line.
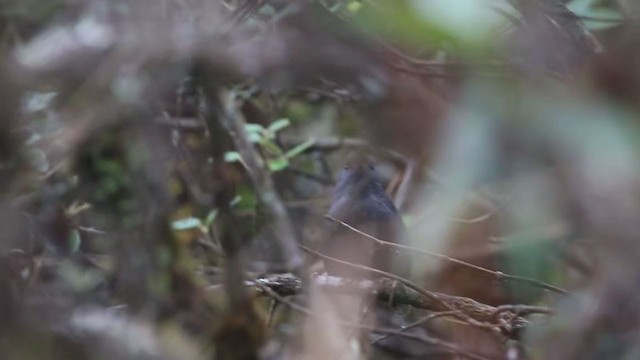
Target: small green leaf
(186,223)
(254,137)
(255,132)
(403,22)
(211,217)
(253,128)
(354,6)
(232,156)
(299,149)
(271,147)
(248,200)
(235,201)
(110,167)
(279,125)
(580,6)
(74,241)
(278,164)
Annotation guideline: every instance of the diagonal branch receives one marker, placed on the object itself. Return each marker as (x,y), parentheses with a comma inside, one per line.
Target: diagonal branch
(497,274)
(262,182)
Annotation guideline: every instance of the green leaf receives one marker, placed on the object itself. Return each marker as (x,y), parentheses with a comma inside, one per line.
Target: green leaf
(235,201)
(74,240)
(248,200)
(278,164)
(211,217)
(421,22)
(255,132)
(186,223)
(580,7)
(254,137)
(110,167)
(232,156)
(299,149)
(271,147)
(279,125)
(354,6)
(253,128)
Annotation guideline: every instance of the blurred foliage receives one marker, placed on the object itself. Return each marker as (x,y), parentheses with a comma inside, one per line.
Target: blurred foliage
(157,155)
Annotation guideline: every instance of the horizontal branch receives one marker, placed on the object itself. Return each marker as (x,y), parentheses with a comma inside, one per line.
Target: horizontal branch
(504,318)
(449,347)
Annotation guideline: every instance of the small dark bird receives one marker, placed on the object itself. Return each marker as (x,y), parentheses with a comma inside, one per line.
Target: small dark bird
(360,201)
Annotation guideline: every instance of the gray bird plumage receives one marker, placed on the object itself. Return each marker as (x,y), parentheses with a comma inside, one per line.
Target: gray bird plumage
(360,201)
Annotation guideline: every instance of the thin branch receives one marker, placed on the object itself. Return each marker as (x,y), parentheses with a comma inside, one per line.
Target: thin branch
(436,301)
(421,321)
(501,318)
(499,275)
(448,346)
(436,64)
(523,310)
(188,123)
(334,143)
(405,185)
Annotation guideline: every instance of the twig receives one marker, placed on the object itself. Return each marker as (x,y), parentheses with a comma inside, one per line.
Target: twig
(522,310)
(405,184)
(437,301)
(187,123)
(497,274)
(435,64)
(421,321)
(89,230)
(273,305)
(334,143)
(449,347)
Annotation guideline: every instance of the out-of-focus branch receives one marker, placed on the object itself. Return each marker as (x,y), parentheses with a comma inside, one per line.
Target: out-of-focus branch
(241,324)
(262,182)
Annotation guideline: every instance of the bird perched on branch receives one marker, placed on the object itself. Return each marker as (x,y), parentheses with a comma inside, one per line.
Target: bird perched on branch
(360,201)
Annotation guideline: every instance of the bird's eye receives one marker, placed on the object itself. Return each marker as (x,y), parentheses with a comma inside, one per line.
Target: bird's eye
(346,167)
(371,167)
